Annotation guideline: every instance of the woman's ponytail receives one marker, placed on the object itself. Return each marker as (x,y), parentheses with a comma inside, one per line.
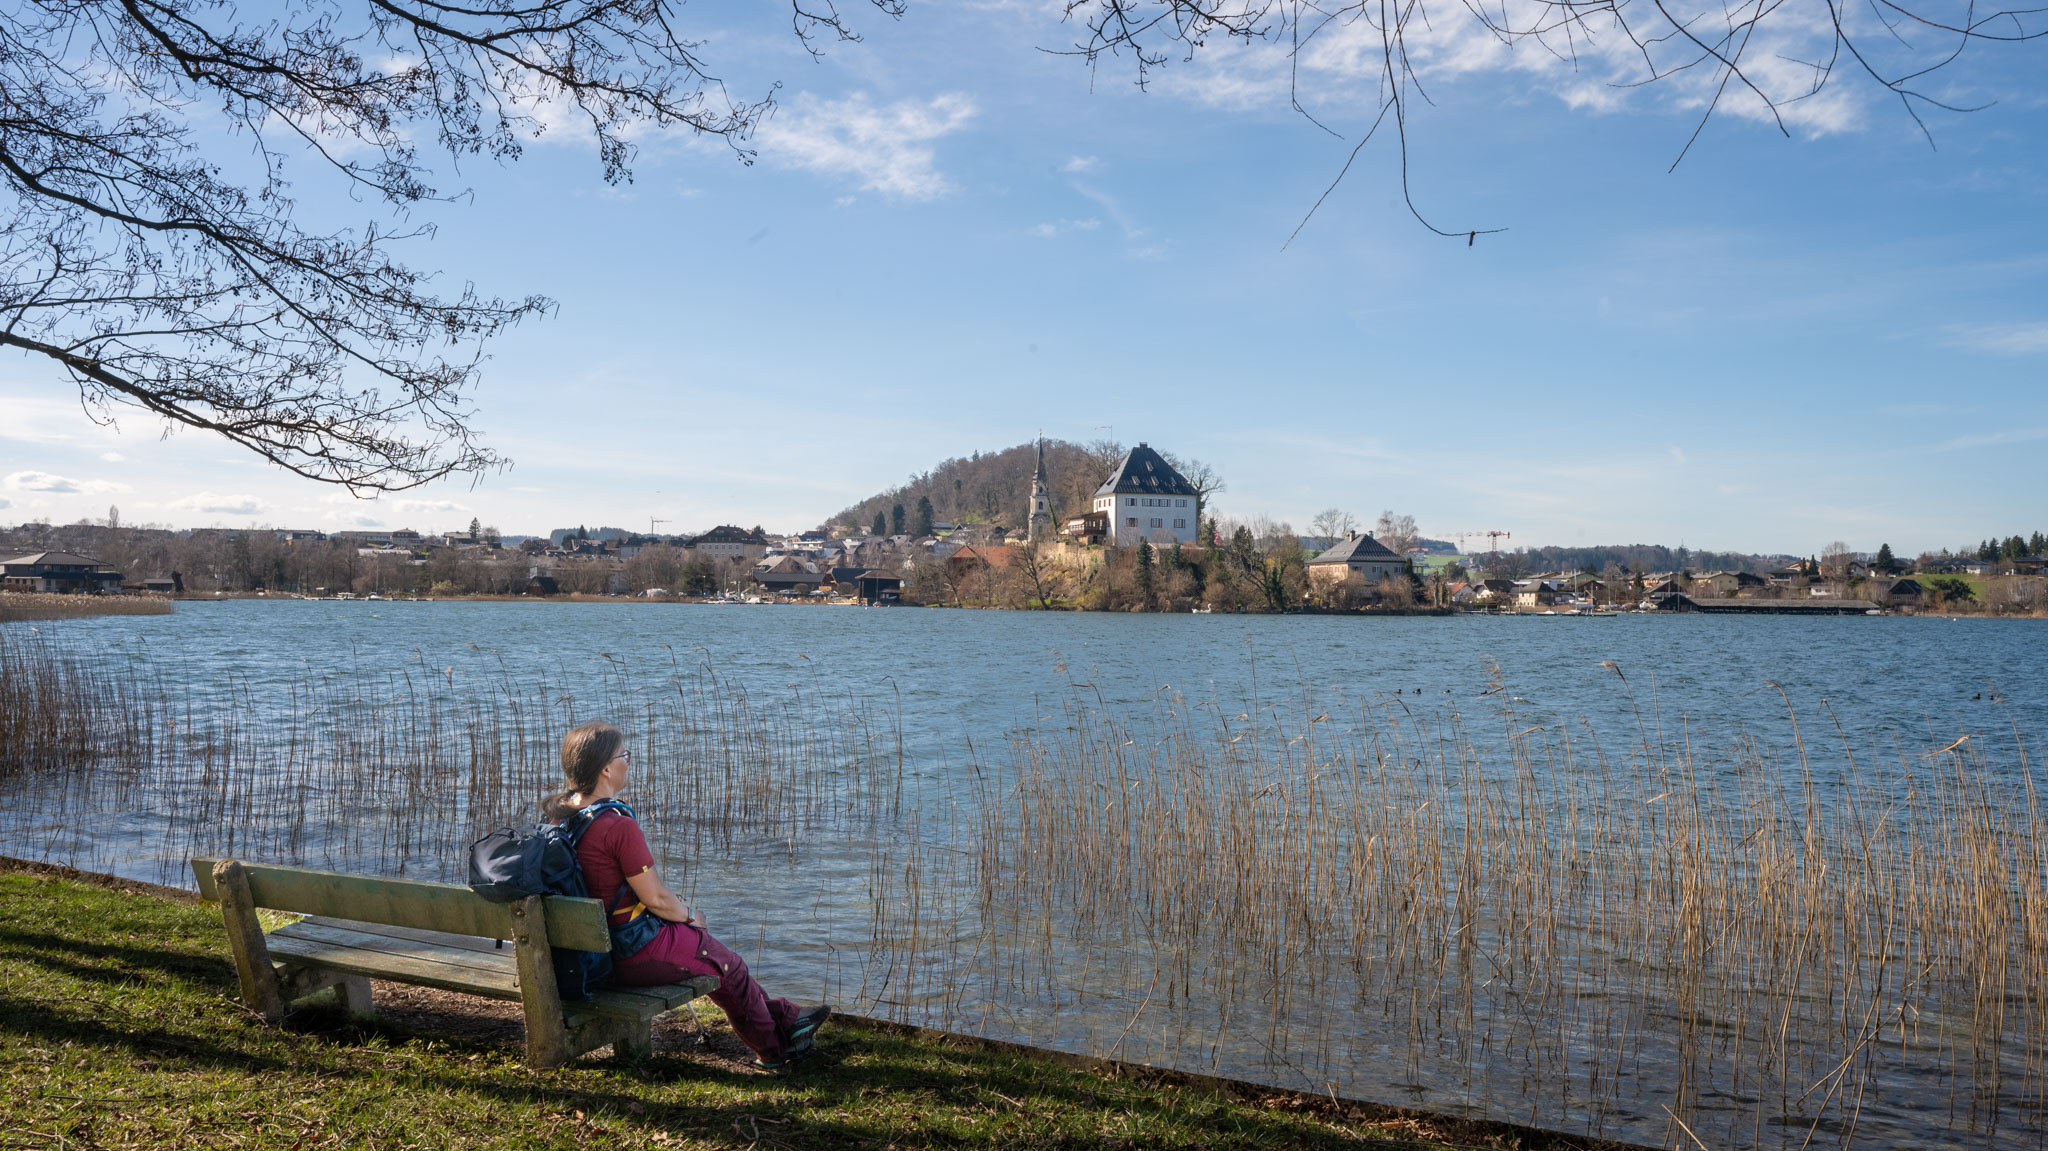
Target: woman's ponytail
(585,753)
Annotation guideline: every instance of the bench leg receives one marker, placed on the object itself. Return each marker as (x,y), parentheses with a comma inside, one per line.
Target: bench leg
(351,991)
(547,1034)
(260,992)
(628,1038)
(634,1042)
(354,993)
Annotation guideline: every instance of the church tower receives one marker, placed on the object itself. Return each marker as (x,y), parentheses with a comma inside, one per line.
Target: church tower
(1040,528)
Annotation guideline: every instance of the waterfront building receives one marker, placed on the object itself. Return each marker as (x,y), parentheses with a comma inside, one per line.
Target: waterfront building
(1362,556)
(727,542)
(790,574)
(1146,499)
(57,572)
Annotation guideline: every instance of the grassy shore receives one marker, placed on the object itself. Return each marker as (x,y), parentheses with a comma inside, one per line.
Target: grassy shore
(16,606)
(119,1028)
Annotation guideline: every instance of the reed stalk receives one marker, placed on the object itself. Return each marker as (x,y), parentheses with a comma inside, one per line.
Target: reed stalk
(1760,943)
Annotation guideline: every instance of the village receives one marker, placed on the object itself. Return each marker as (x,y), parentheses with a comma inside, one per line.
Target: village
(1145,541)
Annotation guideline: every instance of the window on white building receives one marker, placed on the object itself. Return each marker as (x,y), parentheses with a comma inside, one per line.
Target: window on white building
(1155,521)
(1131,522)
(1180,523)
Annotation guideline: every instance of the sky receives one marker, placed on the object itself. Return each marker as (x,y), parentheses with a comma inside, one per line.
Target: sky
(953,240)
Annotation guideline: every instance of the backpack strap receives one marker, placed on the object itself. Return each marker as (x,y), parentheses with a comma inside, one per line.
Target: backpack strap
(588,815)
(580,822)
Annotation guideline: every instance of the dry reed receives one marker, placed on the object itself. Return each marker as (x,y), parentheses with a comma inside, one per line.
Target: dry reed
(19,606)
(1501,914)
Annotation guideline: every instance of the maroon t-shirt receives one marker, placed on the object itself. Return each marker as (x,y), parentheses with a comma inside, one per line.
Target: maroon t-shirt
(610,852)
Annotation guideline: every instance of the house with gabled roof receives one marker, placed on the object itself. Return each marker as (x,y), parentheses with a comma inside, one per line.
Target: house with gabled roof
(1145,498)
(1359,555)
(727,542)
(57,572)
(790,574)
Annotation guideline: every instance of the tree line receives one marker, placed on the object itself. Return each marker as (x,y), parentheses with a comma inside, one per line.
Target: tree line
(207,560)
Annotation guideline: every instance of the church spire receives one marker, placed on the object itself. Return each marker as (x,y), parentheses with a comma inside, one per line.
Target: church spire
(1040,526)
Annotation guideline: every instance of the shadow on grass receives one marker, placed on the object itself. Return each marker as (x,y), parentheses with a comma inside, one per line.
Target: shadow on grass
(71,956)
(860,1090)
(865,1087)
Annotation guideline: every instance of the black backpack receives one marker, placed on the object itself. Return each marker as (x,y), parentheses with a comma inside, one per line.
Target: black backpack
(505,866)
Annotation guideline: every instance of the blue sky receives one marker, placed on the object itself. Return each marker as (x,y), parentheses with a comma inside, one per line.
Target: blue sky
(950,242)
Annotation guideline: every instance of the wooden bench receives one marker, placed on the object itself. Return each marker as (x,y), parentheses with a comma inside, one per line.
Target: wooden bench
(432,935)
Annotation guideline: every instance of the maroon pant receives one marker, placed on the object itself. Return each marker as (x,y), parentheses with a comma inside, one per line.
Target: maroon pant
(681,951)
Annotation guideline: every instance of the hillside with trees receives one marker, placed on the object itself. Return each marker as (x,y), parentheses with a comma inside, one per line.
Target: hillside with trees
(1629,557)
(995,488)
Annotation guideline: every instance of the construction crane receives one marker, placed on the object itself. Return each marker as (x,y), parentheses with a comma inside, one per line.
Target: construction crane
(651,522)
(1493,539)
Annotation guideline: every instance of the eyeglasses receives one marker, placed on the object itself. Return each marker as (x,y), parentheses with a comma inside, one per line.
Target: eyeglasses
(623,754)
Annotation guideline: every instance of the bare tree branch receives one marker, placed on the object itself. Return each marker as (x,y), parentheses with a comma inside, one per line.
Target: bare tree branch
(1718,44)
(150,275)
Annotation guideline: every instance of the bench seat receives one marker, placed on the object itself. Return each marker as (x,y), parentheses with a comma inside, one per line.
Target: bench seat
(341,951)
(469,964)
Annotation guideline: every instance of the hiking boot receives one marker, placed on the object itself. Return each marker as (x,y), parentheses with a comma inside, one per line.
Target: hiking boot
(791,1053)
(807,1024)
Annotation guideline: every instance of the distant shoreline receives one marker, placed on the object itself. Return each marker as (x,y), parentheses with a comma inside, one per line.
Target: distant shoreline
(777,601)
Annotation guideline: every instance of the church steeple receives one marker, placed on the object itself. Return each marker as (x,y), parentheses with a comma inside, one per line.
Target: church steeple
(1040,527)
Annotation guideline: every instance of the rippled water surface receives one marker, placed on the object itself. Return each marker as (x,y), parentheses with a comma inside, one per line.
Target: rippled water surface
(936,698)
(959,671)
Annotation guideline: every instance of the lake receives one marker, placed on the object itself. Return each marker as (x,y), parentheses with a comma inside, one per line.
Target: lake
(957,818)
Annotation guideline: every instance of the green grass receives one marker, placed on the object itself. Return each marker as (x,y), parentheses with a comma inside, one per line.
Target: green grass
(119,1027)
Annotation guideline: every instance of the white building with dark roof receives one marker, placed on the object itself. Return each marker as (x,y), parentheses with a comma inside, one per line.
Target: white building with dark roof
(1359,555)
(1146,499)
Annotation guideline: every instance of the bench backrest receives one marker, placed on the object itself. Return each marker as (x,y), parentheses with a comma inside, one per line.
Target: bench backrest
(576,923)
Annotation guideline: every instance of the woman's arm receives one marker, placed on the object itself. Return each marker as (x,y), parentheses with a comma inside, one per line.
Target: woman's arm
(651,891)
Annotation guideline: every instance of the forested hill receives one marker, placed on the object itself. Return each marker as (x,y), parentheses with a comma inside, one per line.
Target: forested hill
(1634,558)
(994,487)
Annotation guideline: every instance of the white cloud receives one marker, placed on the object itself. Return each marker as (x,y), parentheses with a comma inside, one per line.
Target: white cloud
(1062,227)
(214,503)
(1078,164)
(48,482)
(114,457)
(2005,339)
(429,507)
(1592,65)
(38,421)
(1992,439)
(887,149)
(41,482)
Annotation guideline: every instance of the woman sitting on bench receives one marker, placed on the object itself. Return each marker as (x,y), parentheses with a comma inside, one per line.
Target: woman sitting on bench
(614,857)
